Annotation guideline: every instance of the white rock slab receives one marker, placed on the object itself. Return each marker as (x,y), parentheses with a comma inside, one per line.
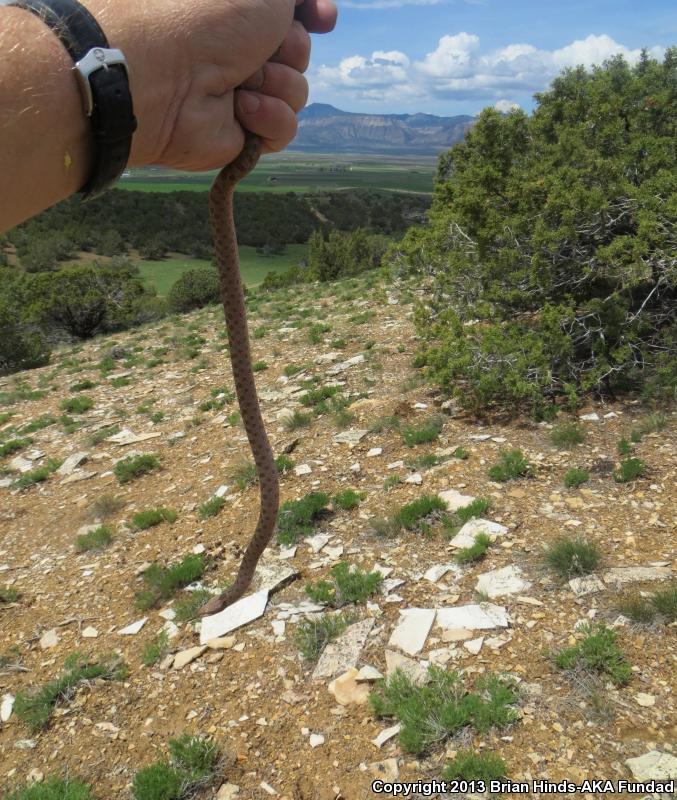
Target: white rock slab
(622,575)
(412,668)
(350,437)
(315,740)
(271,575)
(368,673)
(347,690)
(454,499)
(317,542)
(287,552)
(386,735)
(71,463)
(473,617)
(134,628)
(374,452)
(49,639)
(278,627)
(437,571)
(653,766)
(6,707)
(302,469)
(90,632)
(344,365)
(469,532)
(186,656)
(240,613)
(344,652)
(588,584)
(474,646)
(126,437)
(594,417)
(500,582)
(412,629)
(19,464)
(415,478)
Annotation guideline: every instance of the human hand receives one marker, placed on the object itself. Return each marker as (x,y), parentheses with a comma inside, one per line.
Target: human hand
(187,60)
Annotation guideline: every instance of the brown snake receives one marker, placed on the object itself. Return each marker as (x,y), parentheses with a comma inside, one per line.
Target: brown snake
(232,298)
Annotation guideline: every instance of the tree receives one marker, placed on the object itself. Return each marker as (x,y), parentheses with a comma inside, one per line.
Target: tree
(20,346)
(194,289)
(551,252)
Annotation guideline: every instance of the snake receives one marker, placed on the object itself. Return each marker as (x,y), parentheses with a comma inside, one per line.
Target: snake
(234,309)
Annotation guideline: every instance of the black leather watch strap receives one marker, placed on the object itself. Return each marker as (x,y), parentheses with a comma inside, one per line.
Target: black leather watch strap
(104,82)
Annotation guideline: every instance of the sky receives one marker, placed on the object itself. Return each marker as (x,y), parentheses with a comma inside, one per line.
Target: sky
(452,57)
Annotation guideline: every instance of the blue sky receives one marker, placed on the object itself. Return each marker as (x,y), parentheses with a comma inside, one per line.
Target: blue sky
(458,56)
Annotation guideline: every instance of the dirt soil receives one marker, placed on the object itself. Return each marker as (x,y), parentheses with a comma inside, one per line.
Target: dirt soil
(237,696)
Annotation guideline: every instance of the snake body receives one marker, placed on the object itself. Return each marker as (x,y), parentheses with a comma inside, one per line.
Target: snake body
(232,298)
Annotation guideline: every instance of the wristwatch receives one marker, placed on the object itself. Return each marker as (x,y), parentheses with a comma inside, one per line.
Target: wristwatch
(103,76)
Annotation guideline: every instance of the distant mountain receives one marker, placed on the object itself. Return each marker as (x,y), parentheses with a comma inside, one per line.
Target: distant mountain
(325,129)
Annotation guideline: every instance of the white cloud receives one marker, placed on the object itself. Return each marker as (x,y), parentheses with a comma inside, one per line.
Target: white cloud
(457,69)
(506,106)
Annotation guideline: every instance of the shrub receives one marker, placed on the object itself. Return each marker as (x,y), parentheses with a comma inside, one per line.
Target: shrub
(350,586)
(38,475)
(313,635)
(186,608)
(597,652)
(441,708)
(665,602)
(163,582)
(22,346)
(650,424)
(316,397)
(428,432)
(659,606)
(211,507)
(462,453)
(97,539)
(154,516)
(135,466)
(53,789)
(76,405)
(530,296)
(159,781)
(624,447)
(469,766)
(297,518)
(81,386)
(569,558)
(511,465)
(156,649)
(410,515)
(34,708)
(38,424)
(473,510)
(9,595)
(245,475)
(106,506)
(566,435)
(629,469)
(575,477)
(193,764)
(347,500)
(194,289)
(13,445)
(477,552)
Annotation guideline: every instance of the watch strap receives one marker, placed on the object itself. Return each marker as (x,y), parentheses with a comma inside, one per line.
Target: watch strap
(104,83)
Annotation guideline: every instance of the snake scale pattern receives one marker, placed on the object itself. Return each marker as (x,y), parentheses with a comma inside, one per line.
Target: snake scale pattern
(232,298)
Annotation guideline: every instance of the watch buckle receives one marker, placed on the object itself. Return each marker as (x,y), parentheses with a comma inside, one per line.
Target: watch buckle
(97,58)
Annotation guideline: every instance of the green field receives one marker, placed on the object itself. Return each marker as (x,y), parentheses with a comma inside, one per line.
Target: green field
(296,173)
(254,267)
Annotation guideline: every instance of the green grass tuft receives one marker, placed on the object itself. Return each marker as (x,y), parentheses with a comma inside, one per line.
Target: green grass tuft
(477,552)
(81,386)
(76,405)
(347,499)
(567,435)
(211,507)
(297,420)
(473,510)
(511,465)
(103,433)
(412,514)
(163,582)
(97,539)
(575,477)
(629,470)
(156,649)
(469,766)
(135,466)
(428,432)
(193,765)
(312,635)
(441,708)
(38,475)
(297,518)
(152,517)
(13,446)
(53,789)
(9,595)
(570,558)
(598,652)
(349,586)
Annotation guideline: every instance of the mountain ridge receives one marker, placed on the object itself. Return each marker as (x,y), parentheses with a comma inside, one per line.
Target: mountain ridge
(324,128)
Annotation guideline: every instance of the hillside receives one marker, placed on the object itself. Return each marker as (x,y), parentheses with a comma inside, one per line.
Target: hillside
(325,129)
(169,387)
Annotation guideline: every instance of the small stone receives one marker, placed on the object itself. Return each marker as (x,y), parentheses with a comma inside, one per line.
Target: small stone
(588,584)
(594,417)
(387,770)
(35,776)
(240,613)
(375,451)
(347,690)
(455,500)
(228,791)
(316,739)
(49,639)
(474,645)
(645,700)
(456,635)
(415,478)
(6,707)
(134,628)
(501,582)
(186,656)
(278,627)
(223,643)
(653,766)
(90,633)
(473,617)
(302,469)
(386,735)
(368,673)
(417,672)
(412,629)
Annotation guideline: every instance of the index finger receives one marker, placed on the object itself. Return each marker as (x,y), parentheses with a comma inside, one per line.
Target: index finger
(317,16)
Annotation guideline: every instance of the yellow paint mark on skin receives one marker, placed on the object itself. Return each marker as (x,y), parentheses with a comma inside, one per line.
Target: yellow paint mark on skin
(67,160)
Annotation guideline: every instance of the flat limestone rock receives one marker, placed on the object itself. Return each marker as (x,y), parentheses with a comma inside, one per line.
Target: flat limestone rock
(6,706)
(347,690)
(344,652)
(134,628)
(386,735)
(653,766)
(469,532)
(473,617)
(344,365)
(455,500)
(273,575)
(186,656)
(240,613)
(500,582)
(49,639)
(71,463)
(417,672)
(623,575)
(126,437)
(588,584)
(412,629)
(350,437)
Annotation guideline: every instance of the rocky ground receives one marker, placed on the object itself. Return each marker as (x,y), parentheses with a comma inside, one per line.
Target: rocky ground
(287,733)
